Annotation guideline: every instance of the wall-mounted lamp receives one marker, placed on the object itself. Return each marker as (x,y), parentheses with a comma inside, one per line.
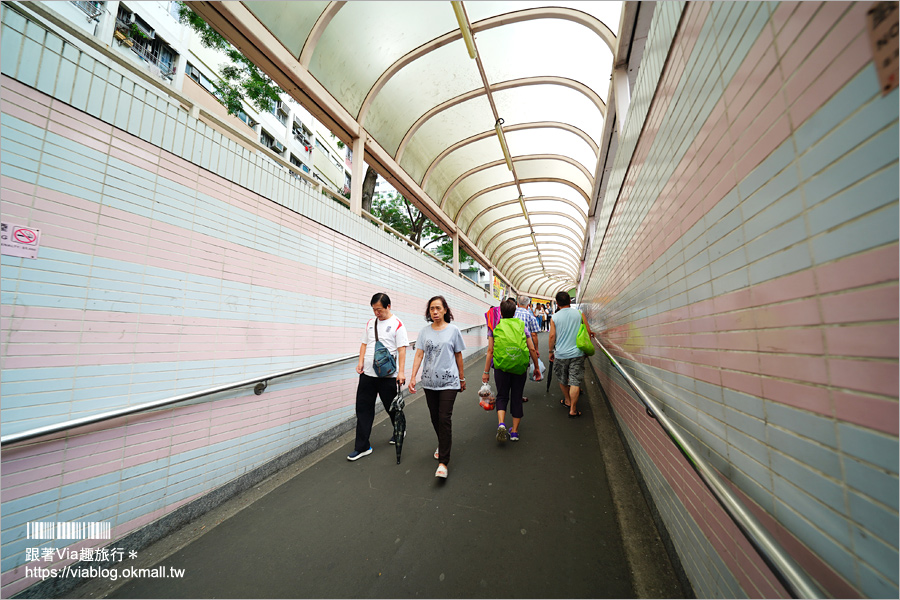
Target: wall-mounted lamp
(464,28)
(499,129)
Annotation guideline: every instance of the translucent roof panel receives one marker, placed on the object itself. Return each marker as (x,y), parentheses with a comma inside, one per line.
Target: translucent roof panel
(508,224)
(471,184)
(461,160)
(538,205)
(561,242)
(552,223)
(552,189)
(442,74)
(475,206)
(554,168)
(442,130)
(365,38)
(515,51)
(479,212)
(531,142)
(401,73)
(291,27)
(555,103)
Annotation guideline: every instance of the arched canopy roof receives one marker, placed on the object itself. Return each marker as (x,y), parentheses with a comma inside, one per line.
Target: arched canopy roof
(400,76)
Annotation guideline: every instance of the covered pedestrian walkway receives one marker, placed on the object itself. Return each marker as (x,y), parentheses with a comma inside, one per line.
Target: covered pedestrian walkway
(717,182)
(539,518)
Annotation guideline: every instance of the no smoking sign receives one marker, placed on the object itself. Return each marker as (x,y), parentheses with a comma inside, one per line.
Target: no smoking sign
(18,240)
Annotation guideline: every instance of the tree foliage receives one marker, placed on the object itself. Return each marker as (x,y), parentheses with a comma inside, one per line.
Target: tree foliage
(399,213)
(241,79)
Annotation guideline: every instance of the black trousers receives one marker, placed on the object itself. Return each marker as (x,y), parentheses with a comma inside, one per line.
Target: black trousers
(366,391)
(440,405)
(509,391)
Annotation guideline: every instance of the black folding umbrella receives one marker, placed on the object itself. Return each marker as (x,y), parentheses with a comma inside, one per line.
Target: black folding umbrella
(399,418)
(549,374)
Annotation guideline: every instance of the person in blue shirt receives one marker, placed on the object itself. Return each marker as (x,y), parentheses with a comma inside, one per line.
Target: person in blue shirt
(567,359)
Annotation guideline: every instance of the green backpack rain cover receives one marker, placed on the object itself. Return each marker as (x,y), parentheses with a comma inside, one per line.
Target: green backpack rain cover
(510,350)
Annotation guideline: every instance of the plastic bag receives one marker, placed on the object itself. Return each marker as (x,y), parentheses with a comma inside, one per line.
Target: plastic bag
(542,368)
(486,397)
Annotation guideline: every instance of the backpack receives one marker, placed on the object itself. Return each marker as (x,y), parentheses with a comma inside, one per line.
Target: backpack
(384,362)
(510,349)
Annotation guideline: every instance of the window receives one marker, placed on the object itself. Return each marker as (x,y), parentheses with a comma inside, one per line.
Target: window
(301,135)
(246,119)
(195,74)
(280,111)
(135,32)
(93,10)
(265,138)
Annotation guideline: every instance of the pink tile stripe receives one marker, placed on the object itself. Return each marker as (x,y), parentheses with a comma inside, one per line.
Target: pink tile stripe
(682,45)
(748,130)
(792,340)
(14,580)
(148,239)
(129,441)
(266,268)
(726,538)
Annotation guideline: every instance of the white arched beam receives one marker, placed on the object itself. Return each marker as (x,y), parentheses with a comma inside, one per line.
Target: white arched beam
(582,223)
(554,244)
(578,226)
(530,180)
(520,271)
(592,23)
(505,85)
(316,33)
(504,257)
(518,159)
(577,237)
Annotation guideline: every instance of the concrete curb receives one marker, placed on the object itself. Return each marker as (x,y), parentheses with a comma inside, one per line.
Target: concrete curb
(653,573)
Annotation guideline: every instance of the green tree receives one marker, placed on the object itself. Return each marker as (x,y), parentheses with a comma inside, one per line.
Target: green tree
(241,79)
(399,213)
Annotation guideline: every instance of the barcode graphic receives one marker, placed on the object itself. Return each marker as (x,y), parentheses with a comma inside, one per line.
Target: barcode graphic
(69,530)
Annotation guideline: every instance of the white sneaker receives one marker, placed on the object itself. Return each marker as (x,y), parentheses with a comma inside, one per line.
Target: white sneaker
(441,472)
(437,454)
(355,455)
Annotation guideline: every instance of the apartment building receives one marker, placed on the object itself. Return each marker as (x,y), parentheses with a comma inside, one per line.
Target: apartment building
(151,36)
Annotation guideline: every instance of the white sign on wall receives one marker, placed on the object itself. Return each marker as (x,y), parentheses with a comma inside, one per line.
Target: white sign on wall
(18,240)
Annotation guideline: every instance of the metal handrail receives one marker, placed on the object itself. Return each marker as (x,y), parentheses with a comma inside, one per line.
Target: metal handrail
(785,568)
(260,382)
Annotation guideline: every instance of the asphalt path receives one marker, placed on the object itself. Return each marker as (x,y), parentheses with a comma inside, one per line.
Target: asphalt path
(526,519)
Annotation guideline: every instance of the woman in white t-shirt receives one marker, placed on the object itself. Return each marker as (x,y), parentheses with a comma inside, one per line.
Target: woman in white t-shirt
(439,353)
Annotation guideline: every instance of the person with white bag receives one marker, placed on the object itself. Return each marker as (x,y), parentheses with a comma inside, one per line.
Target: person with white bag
(509,349)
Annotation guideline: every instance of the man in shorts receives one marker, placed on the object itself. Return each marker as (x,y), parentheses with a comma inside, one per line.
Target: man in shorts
(568,360)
